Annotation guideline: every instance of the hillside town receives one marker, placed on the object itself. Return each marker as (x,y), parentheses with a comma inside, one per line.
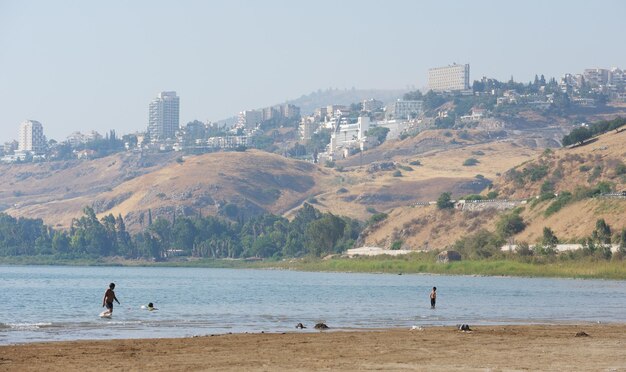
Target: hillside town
(337,131)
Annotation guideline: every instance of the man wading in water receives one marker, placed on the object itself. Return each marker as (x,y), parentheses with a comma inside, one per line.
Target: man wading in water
(433,297)
(109,297)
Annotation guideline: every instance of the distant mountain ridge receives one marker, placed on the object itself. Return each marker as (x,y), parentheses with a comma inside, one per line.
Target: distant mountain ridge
(331,96)
(322,98)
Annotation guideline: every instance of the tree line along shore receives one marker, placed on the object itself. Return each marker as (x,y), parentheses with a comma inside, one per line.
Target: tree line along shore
(312,241)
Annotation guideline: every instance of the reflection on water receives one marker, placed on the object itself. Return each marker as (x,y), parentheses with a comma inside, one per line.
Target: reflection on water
(42,303)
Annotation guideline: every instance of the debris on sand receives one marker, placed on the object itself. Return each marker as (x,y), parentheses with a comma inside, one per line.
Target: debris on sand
(582,334)
(464,327)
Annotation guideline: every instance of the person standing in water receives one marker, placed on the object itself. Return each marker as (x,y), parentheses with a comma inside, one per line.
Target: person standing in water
(109,297)
(433,297)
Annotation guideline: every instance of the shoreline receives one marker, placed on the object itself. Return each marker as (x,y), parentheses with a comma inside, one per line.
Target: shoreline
(579,269)
(437,348)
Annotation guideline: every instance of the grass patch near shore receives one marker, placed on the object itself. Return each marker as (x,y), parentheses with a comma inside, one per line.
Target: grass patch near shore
(416,263)
(588,269)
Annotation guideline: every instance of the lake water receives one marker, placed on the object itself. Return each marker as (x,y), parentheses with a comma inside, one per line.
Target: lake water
(48,303)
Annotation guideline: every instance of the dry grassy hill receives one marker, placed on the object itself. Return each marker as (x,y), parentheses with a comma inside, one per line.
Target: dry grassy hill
(57,191)
(257,182)
(378,186)
(597,160)
(574,170)
(424,227)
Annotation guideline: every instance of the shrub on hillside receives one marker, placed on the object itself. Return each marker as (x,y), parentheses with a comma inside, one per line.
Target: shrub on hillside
(470,162)
(562,200)
(536,172)
(481,244)
(510,224)
(597,171)
(547,187)
(378,217)
(396,245)
(444,201)
(523,249)
(492,195)
(549,239)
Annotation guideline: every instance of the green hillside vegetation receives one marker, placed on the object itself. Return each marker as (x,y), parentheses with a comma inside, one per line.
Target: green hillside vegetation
(581,134)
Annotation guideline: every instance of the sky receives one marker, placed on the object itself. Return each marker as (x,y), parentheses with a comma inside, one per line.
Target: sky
(95,65)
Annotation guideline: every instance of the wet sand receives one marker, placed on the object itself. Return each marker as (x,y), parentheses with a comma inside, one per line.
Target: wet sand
(506,348)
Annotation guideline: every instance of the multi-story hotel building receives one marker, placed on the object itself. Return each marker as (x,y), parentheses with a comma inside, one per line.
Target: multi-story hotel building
(404,110)
(31,137)
(163,116)
(449,78)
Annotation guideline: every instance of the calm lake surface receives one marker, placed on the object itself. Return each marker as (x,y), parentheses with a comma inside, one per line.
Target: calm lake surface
(50,303)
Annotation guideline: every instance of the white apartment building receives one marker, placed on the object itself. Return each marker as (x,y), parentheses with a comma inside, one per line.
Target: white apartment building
(78,138)
(321,112)
(308,126)
(449,78)
(347,136)
(163,116)
(31,137)
(270,113)
(228,142)
(337,110)
(372,104)
(289,111)
(596,76)
(404,110)
(249,119)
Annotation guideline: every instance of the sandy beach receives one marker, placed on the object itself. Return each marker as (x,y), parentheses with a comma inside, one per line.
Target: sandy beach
(505,348)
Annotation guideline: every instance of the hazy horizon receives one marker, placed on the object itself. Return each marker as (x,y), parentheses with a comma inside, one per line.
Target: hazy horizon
(96,66)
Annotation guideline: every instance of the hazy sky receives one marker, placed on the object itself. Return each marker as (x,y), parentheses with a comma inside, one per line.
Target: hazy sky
(82,65)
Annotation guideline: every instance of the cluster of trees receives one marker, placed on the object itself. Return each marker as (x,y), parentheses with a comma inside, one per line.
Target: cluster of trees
(583,133)
(533,87)
(598,244)
(485,244)
(380,133)
(23,236)
(309,233)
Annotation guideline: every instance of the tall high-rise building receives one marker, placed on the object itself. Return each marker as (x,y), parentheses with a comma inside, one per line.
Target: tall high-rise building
(449,78)
(163,116)
(31,137)
(249,119)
